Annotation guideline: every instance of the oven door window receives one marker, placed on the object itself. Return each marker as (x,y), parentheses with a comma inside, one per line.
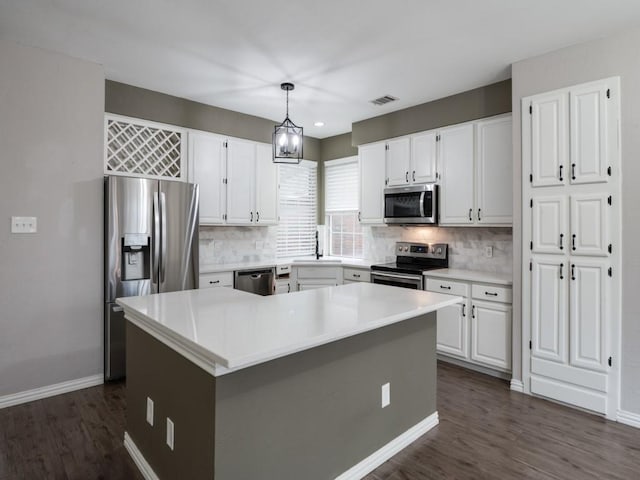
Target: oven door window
(402,205)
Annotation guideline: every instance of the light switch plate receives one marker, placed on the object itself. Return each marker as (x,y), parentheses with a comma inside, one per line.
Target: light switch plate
(150,411)
(170,430)
(24,225)
(386,395)
(488,252)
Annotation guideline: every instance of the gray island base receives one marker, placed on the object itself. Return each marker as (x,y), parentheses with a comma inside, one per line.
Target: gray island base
(315,414)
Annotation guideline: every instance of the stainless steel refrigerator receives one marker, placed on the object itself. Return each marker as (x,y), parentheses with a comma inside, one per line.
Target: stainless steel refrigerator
(151,246)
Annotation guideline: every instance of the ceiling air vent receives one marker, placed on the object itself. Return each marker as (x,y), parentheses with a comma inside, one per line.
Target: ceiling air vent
(383,100)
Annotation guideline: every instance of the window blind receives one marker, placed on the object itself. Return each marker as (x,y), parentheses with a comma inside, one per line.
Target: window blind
(298,210)
(342,185)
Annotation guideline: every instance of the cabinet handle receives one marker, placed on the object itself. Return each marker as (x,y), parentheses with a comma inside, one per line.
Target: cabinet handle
(356,275)
(573,272)
(473,311)
(479,219)
(464,309)
(406,176)
(470,213)
(252,216)
(491,294)
(359,216)
(561,179)
(561,275)
(573,171)
(413,176)
(573,241)
(561,241)
(213,282)
(257,217)
(288,288)
(445,287)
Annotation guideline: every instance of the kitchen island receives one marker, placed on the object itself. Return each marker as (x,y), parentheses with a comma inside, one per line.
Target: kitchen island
(287,386)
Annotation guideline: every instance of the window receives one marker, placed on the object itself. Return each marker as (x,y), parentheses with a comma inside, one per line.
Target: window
(298,210)
(342,180)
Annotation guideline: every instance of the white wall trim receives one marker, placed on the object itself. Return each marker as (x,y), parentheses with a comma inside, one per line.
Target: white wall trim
(628,418)
(50,390)
(380,456)
(517,385)
(138,459)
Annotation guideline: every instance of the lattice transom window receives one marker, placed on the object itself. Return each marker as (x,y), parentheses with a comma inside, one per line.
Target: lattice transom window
(140,148)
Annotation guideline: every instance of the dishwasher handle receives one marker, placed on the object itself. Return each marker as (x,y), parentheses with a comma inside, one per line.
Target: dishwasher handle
(255,274)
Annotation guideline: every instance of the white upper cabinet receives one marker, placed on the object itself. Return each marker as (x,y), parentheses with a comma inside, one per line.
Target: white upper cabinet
(549,134)
(207,168)
(241,177)
(424,150)
(372,182)
(456,185)
(398,161)
(549,218)
(266,186)
(494,169)
(589,225)
(589,127)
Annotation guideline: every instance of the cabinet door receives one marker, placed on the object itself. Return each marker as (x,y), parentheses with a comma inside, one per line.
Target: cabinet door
(549,279)
(494,168)
(549,225)
(453,335)
(241,165)
(589,224)
(266,186)
(549,141)
(588,319)
(372,177)
(491,334)
(302,286)
(423,157)
(456,166)
(207,168)
(588,105)
(398,160)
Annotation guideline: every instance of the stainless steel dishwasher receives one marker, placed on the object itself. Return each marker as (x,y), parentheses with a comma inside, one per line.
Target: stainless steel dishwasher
(254,281)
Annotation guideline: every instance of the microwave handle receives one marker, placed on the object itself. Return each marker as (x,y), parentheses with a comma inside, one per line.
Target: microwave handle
(422,204)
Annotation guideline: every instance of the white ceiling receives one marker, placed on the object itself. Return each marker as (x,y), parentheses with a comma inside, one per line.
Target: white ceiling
(340,54)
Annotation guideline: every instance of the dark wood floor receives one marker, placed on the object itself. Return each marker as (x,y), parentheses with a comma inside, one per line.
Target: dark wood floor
(485,431)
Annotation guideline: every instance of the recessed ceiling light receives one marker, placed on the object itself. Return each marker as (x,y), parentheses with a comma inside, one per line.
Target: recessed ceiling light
(319,124)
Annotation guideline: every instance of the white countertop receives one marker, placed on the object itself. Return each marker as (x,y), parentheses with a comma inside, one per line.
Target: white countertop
(222,330)
(299,261)
(470,276)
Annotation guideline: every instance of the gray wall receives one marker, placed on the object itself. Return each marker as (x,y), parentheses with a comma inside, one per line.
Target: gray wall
(141,103)
(478,103)
(51,123)
(618,55)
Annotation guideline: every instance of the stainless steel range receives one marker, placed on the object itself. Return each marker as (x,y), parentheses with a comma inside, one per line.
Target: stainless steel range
(412,260)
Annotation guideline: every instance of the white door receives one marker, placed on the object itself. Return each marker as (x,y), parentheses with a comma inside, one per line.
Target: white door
(549,139)
(423,157)
(549,278)
(266,186)
(456,166)
(453,335)
(588,319)
(549,228)
(589,133)
(494,168)
(372,176)
(491,334)
(398,160)
(589,224)
(241,165)
(207,158)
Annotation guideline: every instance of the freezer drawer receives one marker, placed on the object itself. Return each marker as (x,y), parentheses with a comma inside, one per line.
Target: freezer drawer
(254,281)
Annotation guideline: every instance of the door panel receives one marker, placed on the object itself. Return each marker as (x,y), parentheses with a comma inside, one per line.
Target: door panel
(207,168)
(453,335)
(179,238)
(549,224)
(241,161)
(589,133)
(423,157)
(491,334)
(372,175)
(549,146)
(589,225)
(266,186)
(398,159)
(456,164)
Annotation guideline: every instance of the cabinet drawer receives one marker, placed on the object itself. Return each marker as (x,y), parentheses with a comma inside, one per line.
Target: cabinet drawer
(356,274)
(220,279)
(491,292)
(447,286)
(318,272)
(283,269)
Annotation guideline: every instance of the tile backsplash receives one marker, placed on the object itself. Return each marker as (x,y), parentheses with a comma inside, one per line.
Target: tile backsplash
(237,244)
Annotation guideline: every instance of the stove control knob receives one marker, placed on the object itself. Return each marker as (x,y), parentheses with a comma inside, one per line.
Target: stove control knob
(400,249)
(406,249)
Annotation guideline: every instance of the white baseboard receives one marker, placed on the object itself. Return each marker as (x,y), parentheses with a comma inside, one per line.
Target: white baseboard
(50,390)
(380,456)
(138,459)
(517,385)
(628,418)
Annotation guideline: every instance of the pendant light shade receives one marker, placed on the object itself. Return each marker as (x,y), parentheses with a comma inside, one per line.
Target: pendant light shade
(287,137)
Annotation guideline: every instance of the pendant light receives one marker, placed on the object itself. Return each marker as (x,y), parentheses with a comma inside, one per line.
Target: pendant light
(287,137)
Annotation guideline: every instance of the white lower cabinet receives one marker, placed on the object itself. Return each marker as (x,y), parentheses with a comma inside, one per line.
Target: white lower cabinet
(311,277)
(218,279)
(478,329)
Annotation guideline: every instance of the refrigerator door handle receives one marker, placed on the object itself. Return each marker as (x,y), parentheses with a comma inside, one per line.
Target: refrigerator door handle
(156,239)
(163,242)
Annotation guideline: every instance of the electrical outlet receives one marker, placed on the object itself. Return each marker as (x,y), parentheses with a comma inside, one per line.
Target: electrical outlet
(488,252)
(24,225)
(150,411)
(170,431)
(386,394)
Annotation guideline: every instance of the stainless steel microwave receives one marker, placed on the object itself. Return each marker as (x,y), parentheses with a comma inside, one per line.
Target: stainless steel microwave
(415,205)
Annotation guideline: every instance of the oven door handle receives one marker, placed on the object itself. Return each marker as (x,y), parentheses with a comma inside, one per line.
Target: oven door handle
(399,278)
